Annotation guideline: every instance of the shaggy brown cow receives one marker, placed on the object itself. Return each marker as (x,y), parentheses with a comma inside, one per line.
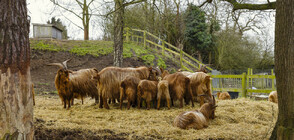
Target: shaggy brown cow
(273,97)
(223,96)
(178,84)
(200,84)
(75,83)
(147,90)
(197,119)
(163,93)
(128,90)
(164,73)
(109,80)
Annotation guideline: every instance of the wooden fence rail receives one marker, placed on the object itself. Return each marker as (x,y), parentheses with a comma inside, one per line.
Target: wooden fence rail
(245,84)
(144,37)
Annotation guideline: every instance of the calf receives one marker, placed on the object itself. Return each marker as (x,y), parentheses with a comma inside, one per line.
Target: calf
(163,93)
(128,90)
(147,90)
(223,96)
(178,84)
(273,97)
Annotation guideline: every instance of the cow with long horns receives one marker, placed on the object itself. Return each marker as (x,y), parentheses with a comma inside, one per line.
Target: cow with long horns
(70,84)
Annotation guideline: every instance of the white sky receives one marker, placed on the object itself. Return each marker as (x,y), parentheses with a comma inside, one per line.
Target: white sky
(40,11)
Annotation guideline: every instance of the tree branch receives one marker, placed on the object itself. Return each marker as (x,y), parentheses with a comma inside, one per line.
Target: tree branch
(237,6)
(79,3)
(132,2)
(71,21)
(53,1)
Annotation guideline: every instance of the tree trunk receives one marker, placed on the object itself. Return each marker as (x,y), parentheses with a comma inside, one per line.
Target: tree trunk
(16,104)
(86,20)
(284,65)
(118,33)
(86,32)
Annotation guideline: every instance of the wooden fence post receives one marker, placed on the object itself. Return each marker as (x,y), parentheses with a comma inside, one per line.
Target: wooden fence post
(244,85)
(181,55)
(273,80)
(251,79)
(144,39)
(163,48)
(248,73)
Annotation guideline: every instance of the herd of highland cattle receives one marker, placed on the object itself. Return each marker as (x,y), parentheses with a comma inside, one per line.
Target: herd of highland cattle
(157,87)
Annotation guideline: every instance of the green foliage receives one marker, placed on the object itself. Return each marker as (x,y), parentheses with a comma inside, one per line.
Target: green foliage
(148,59)
(172,70)
(235,52)
(94,50)
(143,53)
(59,24)
(41,45)
(161,63)
(81,48)
(127,52)
(196,35)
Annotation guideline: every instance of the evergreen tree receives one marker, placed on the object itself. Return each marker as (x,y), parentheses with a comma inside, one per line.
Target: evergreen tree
(198,40)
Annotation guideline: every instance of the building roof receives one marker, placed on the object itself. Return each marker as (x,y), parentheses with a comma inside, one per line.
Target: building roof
(47,25)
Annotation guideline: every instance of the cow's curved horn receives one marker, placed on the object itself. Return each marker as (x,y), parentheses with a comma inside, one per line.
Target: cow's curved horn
(158,70)
(56,64)
(64,63)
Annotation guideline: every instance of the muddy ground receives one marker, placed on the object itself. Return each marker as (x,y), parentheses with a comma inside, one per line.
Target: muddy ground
(43,79)
(43,75)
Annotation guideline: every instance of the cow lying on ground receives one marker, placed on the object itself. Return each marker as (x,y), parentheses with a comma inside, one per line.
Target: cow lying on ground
(197,119)
(223,96)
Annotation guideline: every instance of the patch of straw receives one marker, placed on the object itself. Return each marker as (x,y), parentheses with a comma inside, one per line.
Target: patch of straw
(235,119)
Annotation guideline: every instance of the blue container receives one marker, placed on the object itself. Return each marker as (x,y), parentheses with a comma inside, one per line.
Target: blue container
(234,95)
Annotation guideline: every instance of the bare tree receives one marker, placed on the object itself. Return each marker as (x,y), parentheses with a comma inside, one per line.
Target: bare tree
(84,16)
(16,104)
(118,29)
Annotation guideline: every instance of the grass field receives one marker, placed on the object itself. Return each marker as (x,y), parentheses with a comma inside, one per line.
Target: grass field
(235,119)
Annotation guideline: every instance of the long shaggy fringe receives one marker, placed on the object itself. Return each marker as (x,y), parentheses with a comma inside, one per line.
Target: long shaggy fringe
(83,84)
(147,90)
(163,93)
(273,97)
(178,86)
(110,78)
(200,84)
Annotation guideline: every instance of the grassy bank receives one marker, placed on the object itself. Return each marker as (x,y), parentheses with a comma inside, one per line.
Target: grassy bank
(99,48)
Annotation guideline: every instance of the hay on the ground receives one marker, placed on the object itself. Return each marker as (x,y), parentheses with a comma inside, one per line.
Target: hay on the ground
(235,119)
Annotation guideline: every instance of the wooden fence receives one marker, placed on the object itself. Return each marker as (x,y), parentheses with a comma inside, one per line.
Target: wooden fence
(148,39)
(245,84)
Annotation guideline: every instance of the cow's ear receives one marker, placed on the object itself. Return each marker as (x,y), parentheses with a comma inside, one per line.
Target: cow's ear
(207,78)
(217,94)
(161,69)
(150,68)
(95,70)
